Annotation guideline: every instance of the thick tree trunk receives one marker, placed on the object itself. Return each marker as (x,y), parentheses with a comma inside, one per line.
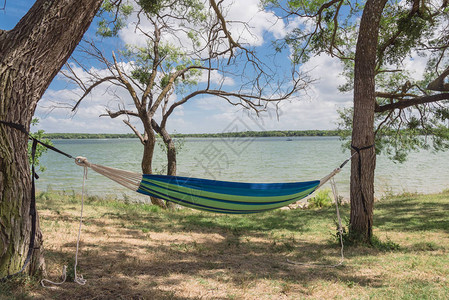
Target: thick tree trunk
(31,55)
(363,164)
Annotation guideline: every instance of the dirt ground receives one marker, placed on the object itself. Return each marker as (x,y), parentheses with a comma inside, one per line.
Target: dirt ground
(134,252)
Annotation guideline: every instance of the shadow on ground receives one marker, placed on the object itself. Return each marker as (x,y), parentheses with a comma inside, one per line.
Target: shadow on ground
(201,255)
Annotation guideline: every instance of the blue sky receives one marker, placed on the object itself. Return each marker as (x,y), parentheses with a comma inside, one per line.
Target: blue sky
(316,109)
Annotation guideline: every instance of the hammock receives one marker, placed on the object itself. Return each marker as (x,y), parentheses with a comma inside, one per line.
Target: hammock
(203,194)
(212,195)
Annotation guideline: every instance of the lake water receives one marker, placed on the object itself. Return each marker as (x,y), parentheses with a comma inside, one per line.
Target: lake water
(241,159)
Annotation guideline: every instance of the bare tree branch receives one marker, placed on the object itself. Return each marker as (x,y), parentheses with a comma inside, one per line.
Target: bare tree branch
(169,86)
(383,122)
(232,43)
(400,96)
(136,132)
(156,62)
(129,87)
(116,114)
(75,77)
(90,88)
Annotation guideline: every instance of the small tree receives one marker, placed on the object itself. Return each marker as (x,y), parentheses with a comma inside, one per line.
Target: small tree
(188,53)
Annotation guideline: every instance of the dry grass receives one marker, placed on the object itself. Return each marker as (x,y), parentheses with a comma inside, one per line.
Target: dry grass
(134,251)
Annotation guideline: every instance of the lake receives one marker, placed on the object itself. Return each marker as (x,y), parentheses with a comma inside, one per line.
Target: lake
(270,159)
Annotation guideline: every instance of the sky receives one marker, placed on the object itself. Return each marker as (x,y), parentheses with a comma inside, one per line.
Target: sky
(314,109)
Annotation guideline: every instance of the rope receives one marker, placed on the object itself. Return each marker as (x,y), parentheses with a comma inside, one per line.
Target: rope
(340,227)
(64,277)
(331,179)
(32,214)
(334,172)
(22,128)
(340,230)
(328,177)
(78,279)
(359,169)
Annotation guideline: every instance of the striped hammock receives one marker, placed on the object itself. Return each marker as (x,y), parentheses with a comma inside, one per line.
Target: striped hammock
(212,195)
(224,196)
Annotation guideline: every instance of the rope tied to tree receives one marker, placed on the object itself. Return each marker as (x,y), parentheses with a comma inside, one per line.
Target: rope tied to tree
(32,211)
(359,171)
(83,162)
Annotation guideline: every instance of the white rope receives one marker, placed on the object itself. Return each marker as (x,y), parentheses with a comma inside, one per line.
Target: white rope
(80,280)
(64,277)
(330,178)
(340,227)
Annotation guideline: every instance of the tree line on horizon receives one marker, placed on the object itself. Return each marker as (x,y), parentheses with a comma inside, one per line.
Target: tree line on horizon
(271,133)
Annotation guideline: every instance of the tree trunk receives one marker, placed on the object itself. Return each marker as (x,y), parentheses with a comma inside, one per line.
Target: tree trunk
(31,55)
(171,159)
(363,164)
(147,157)
(171,152)
(147,160)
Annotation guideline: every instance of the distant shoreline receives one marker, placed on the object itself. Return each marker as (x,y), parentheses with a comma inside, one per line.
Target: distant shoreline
(276,133)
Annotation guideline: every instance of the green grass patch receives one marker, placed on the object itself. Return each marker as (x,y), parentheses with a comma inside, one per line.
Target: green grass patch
(132,250)
(321,199)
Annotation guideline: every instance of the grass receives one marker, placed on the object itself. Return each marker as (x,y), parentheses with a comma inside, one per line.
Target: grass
(136,251)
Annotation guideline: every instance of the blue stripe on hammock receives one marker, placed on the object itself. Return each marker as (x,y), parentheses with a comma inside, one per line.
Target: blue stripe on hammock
(263,190)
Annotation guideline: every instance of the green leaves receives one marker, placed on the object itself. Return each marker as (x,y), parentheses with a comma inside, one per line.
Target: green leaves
(151,6)
(323,27)
(401,33)
(40,150)
(171,60)
(410,34)
(400,134)
(113,18)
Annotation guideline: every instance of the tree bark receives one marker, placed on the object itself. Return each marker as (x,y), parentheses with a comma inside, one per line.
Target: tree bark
(171,158)
(148,152)
(363,164)
(171,152)
(31,55)
(147,160)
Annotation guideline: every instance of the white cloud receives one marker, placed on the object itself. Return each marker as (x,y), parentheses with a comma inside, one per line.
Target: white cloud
(416,65)
(217,78)
(246,21)
(316,110)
